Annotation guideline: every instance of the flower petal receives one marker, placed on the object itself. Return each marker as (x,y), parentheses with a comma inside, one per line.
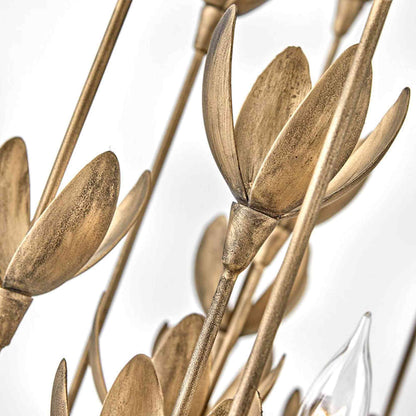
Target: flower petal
(136,391)
(70,230)
(172,359)
(14,199)
(59,402)
(124,218)
(217,103)
(275,96)
(285,174)
(371,151)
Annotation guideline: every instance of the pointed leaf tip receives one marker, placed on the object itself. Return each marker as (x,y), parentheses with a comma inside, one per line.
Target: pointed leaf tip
(217,103)
(59,401)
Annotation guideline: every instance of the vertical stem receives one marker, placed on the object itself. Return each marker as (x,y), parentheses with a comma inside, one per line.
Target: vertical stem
(310,208)
(332,52)
(131,237)
(402,371)
(84,104)
(205,342)
(237,322)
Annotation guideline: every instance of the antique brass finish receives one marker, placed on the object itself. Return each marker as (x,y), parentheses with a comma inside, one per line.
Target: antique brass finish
(84,104)
(59,401)
(13,307)
(322,174)
(401,373)
(347,12)
(293,404)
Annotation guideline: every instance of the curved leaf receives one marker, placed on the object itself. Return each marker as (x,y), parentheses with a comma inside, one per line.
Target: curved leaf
(125,216)
(223,408)
(275,96)
(293,404)
(172,359)
(136,391)
(69,231)
(245,6)
(14,199)
(59,402)
(217,103)
(285,174)
(371,151)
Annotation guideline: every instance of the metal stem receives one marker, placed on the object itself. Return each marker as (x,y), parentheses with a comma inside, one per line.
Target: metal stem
(205,343)
(322,174)
(83,105)
(131,237)
(402,371)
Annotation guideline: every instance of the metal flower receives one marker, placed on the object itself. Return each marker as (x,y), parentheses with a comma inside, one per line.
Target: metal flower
(76,230)
(149,386)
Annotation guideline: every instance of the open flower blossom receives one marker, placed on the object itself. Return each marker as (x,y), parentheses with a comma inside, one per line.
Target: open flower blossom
(149,386)
(268,157)
(78,228)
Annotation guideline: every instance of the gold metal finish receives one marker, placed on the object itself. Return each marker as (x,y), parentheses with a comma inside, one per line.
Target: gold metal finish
(322,174)
(14,199)
(59,402)
(136,391)
(293,404)
(401,373)
(84,104)
(223,409)
(347,12)
(69,232)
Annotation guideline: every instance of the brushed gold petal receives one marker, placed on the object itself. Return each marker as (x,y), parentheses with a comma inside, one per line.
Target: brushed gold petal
(136,391)
(160,337)
(275,96)
(94,355)
(14,199)
(217,103)
(223,408)
(257,310)
(269,381)
(285,174)
(371,151)
(208,262)
(172,359)
(59,401)
(293,404)
(125,216)
(69,231)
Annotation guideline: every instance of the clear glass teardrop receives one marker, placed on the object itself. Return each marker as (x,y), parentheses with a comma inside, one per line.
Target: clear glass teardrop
(344,386)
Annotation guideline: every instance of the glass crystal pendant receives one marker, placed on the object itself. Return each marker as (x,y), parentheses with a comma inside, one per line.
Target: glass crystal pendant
(344,386)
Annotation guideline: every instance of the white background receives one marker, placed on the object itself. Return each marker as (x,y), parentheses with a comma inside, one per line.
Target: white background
(364,259)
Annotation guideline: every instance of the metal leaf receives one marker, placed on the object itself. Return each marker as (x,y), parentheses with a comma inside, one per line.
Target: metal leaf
(208,262)
(70,230)
(172,359)
(257,310)
(94,355)
(285,174)
(14,199)
(59,401)
(293,404)
(217,103)
(347,12)
(275,96)
(136,391)
(163,331)
(125,216)
(371,151)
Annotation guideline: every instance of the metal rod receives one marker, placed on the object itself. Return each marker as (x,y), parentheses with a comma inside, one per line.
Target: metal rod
(307,217)
(131,237)
(205,342)
(402,372)
(83,105)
